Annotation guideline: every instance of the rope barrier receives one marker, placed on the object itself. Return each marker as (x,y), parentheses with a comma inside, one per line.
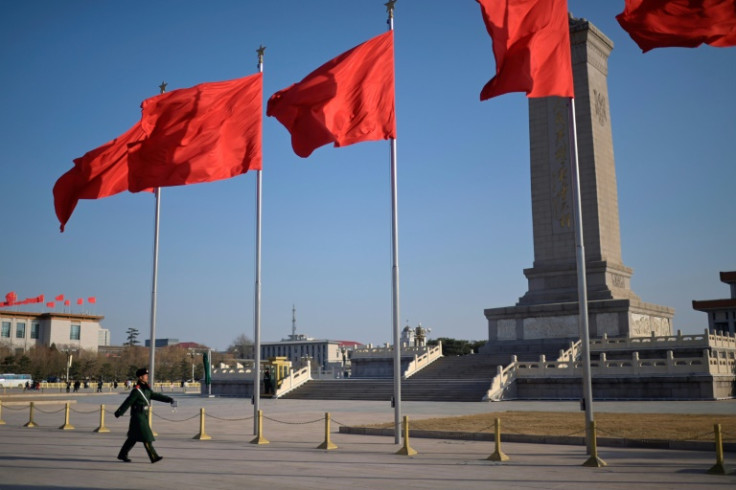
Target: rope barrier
(228,419)
(49,412)
(292,423)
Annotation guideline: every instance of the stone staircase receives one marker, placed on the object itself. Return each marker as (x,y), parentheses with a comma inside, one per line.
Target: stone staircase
(459,378)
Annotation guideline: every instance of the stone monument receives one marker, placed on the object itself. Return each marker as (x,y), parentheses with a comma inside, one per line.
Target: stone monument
(549,309)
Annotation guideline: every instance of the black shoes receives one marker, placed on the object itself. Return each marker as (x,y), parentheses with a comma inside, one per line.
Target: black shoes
(124,458)
(156,459)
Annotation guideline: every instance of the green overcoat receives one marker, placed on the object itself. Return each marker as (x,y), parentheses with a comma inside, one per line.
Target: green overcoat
(138,402)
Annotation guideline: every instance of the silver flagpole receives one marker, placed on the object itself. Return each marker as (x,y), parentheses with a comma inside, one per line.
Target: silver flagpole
(257,307)
(582,278)
(154,291)
(395,269)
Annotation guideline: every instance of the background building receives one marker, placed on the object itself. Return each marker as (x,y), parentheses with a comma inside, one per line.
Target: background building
(721,312)
(23,330)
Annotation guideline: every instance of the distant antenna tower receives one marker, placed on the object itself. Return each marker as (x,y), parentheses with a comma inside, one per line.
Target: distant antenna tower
(293,322)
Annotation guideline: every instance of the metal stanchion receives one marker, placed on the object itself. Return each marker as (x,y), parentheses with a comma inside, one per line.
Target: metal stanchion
(259,437)
(407,449)
(594,461)
(202,436)
(498,455)
(102,427)
(327,444)
(30,422)
(719,468)
(67,425)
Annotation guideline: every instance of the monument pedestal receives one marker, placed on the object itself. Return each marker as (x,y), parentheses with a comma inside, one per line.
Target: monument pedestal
(613,317)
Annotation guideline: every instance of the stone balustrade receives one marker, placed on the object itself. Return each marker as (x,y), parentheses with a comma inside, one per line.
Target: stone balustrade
(424,359)
(678,341)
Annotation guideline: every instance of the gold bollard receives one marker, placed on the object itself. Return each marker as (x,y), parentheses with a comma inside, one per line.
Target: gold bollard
(498,455)
(67,425)
(259,437)
(594,461)
(30,422)
(407,449)
(2,422)
(102,427)
(202,436)
(327,444)
(719,468)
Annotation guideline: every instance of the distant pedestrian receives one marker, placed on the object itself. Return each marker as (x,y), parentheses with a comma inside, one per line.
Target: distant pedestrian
(99,386)
(139,402)
(77,384)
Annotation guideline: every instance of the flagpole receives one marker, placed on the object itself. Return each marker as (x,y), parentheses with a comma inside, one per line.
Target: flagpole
(154,291)
(582,277)
(257,307)
(395,267)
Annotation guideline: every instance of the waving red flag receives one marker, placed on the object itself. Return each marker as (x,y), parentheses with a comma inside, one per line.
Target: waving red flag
(347,100)
(101,172)
(80,301)
(679,23)
(531,45)
(50,304)
(208,132)
(67,302)
(91,300)
(59,297)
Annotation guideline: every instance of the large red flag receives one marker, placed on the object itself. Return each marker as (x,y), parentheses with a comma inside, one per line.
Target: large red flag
(531,44)
(208,132)
(101,172)
(347,100)
(684,23)
(92,299)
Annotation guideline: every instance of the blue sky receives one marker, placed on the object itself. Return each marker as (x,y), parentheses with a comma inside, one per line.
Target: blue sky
(73,75)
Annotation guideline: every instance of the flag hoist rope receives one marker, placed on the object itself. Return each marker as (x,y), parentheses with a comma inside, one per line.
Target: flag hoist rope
(152,360)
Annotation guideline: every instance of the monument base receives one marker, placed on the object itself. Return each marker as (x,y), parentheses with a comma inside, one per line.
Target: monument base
(612,317)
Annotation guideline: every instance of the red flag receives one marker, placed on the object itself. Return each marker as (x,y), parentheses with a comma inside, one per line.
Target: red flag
(51,304)
(101,172)
(91,300)
(80,301)
(67,302)
(208,132)
(531,45)
(347,100)
(4,303)
(40,299)
(684,23)
(59,297)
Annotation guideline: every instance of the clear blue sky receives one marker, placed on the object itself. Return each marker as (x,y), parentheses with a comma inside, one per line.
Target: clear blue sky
(74,73)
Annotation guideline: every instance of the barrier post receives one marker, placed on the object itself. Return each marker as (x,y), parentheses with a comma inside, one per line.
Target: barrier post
(327,444)
(102,427)
(30,422)
(719,468)
(594,461)
(259,437)
(67,425)
(2,422)
(202,436)
(407,450)
(498,455)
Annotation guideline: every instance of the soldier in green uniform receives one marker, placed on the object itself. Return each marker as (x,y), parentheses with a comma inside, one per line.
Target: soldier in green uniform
(139,430)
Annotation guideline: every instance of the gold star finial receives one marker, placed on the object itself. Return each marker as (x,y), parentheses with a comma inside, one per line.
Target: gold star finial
(390,8)
(260,51)
(163,87)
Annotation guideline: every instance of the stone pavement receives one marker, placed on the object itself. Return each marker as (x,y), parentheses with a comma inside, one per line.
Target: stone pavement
(46,457)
